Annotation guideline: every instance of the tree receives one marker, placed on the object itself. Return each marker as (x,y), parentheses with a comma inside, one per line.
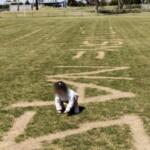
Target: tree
(72,3)
(36,4)
(97,5)
(120,4)
(87,2)
(27,2)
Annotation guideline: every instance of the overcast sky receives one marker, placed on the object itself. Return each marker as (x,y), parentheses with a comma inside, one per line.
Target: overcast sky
(1,1)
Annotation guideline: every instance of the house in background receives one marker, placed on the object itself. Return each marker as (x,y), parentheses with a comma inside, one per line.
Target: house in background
(28,5)
(55,3)
(30,1)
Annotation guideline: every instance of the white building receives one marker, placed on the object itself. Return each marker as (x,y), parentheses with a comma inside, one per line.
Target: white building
(30,1)
(15,1)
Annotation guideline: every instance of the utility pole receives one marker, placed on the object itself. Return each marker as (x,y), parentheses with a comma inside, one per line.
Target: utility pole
(18,5)
(36,4)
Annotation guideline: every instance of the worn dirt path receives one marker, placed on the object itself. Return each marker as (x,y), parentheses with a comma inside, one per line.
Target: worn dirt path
(141,140)
(18,128)
(100,55)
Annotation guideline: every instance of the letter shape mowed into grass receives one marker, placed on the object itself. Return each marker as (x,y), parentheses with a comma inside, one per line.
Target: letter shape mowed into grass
(140,138)
(89,45)
(134,122)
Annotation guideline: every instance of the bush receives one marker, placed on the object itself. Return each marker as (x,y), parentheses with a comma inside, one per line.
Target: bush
(17,3)
(4,7)
(118,11)
(114,2)
(133,6)
(103,3)
(126,2)
(76,3)
(72,3)
(80,4)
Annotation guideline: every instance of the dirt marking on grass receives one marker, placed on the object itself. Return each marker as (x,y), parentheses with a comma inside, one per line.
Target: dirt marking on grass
(111,30)
(82,31)
(104,43)
(81,87)
(79,54)
(87,43)
(100,55)
(115,44)
(120,42)
(18,128)
(26,35)
(97,49)
(102,48)
(32,104)
(94,77)
(95,67)
(103,70)
(140,138)
(92,38)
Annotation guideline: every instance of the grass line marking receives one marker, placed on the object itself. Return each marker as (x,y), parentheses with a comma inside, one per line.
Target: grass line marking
(104,43)
(81,66)
(93,77)
(27,35)
(100,55)
(78,55)
(97,49)
(32,104)
(113,94)
(140,138)
(24,36)
(95,72)
(18,128)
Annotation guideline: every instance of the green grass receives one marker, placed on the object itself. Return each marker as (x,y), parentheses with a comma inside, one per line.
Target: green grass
(104,138)
(89,92)
(24,64)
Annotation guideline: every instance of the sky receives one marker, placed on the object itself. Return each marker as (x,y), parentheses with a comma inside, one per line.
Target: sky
(2,1)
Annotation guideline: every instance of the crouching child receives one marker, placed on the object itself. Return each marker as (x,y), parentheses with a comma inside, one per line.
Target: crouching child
(63,95)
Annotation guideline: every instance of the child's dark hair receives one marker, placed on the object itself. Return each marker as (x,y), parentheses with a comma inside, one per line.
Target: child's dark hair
(60,85)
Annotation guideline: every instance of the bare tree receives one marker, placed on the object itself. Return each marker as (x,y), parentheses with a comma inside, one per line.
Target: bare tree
(36,4)
(87,2)
(97,5)
(120,4)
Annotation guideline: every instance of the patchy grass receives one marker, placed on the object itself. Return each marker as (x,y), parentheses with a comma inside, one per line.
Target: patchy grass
(89,92)
(105,138)
(27,57)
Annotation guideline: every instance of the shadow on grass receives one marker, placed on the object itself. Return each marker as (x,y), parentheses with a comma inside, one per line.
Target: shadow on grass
(81,108)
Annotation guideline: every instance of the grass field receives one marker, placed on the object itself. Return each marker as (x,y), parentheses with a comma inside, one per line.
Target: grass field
(96,55)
